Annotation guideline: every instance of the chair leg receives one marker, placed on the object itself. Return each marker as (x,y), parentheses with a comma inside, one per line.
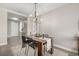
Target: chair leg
(34,52)
(26,51)
(19,52)
(44,49)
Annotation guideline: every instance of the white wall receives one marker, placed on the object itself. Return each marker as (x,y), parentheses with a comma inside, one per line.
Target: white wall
(24,28)
(3,26)
(31,28)
(62,24)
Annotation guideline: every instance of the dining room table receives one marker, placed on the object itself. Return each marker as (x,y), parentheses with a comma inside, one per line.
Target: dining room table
(40,45)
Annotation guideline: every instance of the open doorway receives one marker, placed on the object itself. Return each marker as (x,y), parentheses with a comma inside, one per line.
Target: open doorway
(16,26)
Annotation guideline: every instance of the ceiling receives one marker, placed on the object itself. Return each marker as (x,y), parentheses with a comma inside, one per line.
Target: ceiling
(19,17)
(28,8)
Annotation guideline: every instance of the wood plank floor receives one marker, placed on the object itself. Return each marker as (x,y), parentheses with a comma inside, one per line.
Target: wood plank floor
(13,48)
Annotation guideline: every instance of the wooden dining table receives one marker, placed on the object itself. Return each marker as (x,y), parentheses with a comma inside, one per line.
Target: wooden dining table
(78,45)
(40,44)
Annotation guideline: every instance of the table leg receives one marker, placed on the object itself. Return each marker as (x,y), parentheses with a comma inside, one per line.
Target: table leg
(39,48)
(52,46)
(78,46)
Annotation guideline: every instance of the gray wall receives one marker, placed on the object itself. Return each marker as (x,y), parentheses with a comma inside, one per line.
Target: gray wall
(3,26)
(62,24)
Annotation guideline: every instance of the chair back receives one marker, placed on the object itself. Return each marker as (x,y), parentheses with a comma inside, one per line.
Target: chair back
(23,41)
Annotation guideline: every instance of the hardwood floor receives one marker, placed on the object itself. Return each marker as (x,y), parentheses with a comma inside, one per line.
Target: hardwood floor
(13,48)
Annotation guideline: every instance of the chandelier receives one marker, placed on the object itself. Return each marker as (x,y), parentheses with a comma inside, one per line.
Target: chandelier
(35,17)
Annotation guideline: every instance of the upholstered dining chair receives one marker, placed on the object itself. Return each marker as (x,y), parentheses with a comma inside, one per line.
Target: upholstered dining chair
(28,42)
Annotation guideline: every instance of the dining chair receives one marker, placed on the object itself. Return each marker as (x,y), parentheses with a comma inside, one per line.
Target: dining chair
(28,42)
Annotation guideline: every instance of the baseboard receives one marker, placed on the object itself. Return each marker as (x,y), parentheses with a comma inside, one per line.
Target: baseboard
(65,48)
(1,44)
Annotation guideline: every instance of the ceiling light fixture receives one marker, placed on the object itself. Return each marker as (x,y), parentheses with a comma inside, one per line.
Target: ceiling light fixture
(30,15)
(35,16)
(14,18)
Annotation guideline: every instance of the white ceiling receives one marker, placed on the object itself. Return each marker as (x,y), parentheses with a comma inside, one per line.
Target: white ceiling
(12,15)
(28,8)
